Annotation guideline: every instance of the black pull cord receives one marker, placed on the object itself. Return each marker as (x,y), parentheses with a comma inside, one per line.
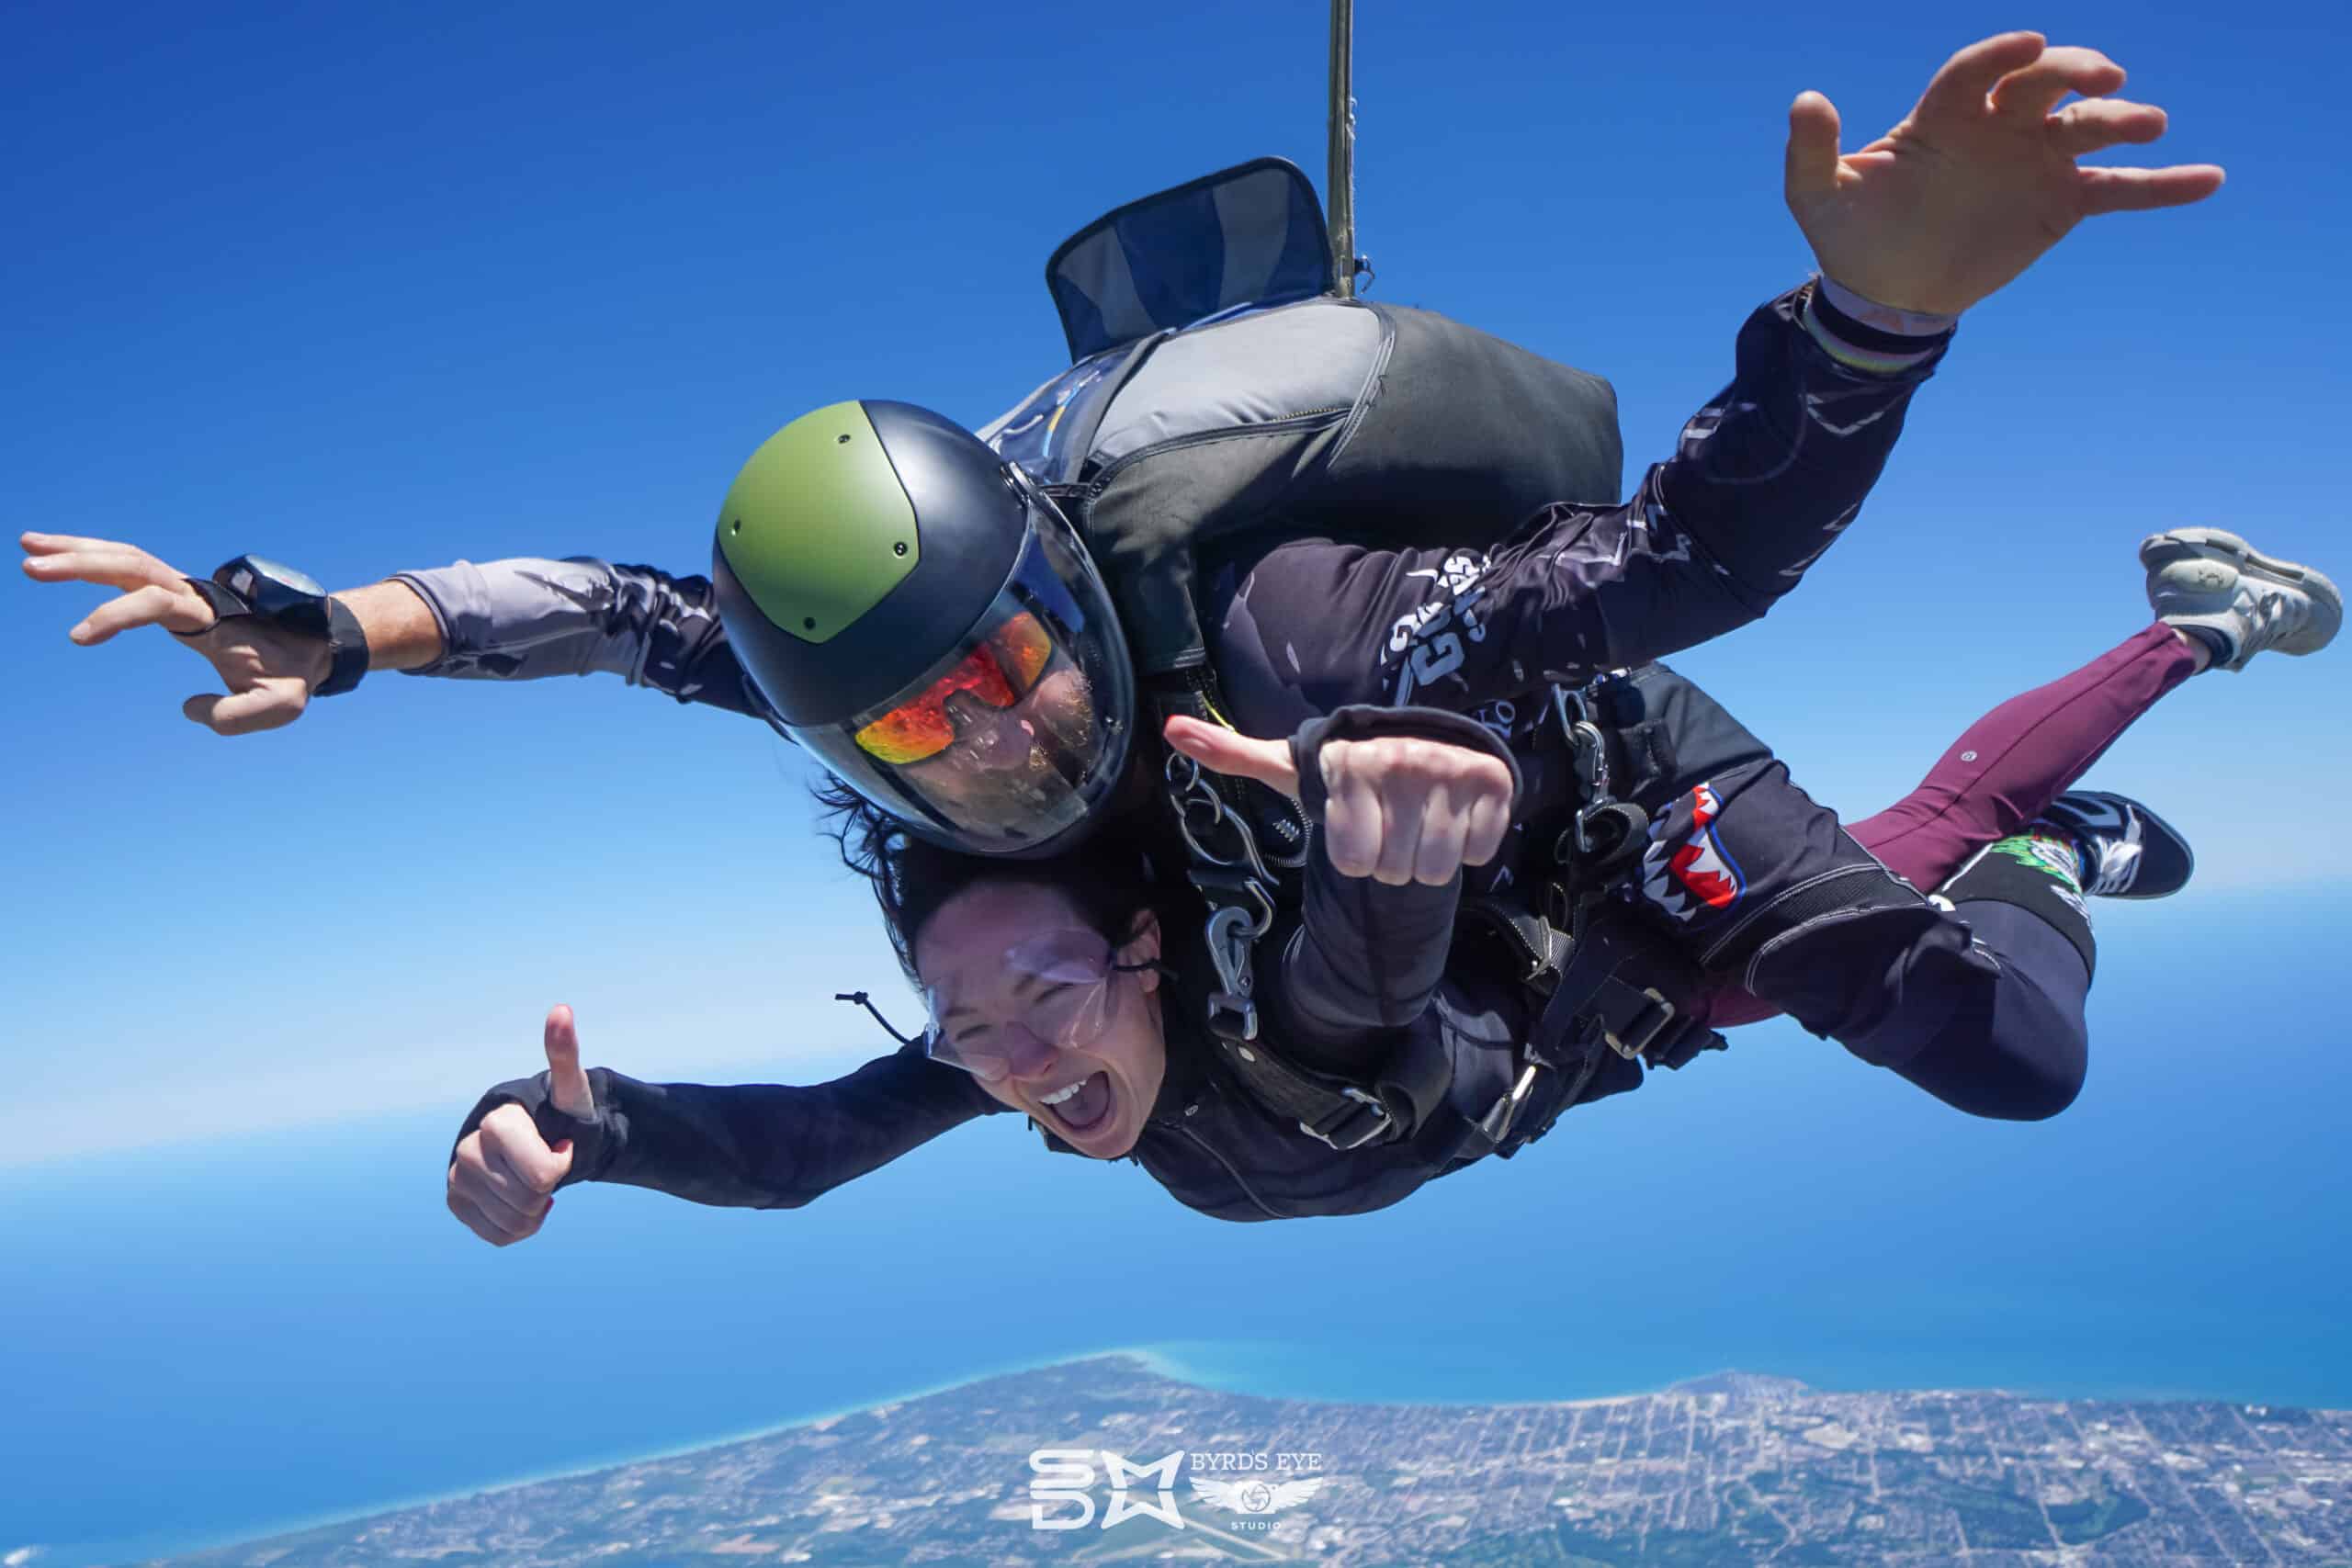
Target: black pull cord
(860,998)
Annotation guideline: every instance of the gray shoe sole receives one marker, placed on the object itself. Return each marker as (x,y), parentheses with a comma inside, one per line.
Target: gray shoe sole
(2209,543)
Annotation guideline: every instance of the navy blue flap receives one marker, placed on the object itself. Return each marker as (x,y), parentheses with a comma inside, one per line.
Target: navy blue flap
(1251,234)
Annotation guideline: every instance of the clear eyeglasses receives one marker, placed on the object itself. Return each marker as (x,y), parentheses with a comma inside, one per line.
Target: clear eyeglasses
(1057,990)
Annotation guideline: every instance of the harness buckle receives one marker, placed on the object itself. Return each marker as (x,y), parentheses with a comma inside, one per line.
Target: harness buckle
(1497,1123)
(1232,1017)
(1604,828)
(1643,1027)
(1380,1127)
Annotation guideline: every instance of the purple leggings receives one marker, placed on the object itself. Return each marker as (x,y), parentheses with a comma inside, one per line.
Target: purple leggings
(2005,769)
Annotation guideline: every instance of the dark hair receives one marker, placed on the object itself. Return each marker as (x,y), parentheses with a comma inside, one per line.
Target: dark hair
(1110,879)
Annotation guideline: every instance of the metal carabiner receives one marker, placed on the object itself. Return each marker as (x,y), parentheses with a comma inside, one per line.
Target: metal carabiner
(1568,703)
(1188,792)
(1245,856)
(1240,927)
(1590,749)
(1232,932)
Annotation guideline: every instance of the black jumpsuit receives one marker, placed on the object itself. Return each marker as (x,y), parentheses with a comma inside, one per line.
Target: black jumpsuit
(1745,872)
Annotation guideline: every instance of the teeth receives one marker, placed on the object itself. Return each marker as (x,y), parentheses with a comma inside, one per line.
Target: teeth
(1059,1095)
(1668,897)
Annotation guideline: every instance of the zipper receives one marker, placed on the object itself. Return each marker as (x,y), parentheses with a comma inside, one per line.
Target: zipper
(1354,410)
(1282,425)
(1365,394)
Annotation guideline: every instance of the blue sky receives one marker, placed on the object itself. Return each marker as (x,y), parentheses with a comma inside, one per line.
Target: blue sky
(369,288)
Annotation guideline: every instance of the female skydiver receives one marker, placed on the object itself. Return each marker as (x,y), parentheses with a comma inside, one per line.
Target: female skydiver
(1045,980)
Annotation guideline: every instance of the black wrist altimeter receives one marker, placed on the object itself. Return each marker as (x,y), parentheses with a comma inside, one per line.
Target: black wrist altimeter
(254,585)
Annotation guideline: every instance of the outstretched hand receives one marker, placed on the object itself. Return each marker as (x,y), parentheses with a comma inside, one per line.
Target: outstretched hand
(1979,178)
(1401,809)
(270,671)
(504,1176)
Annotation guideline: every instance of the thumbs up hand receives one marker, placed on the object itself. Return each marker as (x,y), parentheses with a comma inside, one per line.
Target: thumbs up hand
(504,1176)
(1401,809)
(567,1088)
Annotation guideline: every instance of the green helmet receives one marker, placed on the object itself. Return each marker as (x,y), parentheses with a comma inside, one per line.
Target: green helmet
(924,620)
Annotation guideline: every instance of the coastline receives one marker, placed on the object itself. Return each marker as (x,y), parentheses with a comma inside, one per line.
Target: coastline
(1237,1367)
(1181,1360)
(212,1541)
(1286,1369)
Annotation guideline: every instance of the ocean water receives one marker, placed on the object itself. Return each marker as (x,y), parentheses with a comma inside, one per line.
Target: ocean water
(205,1343)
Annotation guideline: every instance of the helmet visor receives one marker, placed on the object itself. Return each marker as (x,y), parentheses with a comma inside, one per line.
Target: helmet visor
(1003,666)
(1006,741)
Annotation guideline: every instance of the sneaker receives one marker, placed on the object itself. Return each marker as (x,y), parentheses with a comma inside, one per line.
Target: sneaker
(2128,851)
(2211,583)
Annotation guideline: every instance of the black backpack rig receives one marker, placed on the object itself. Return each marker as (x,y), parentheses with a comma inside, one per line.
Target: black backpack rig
(1222,384)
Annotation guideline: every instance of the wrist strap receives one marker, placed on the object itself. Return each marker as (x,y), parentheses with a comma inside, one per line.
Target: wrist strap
(347,644)
(225,601)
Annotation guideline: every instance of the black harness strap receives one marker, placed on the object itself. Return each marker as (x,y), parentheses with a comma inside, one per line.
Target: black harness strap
(1603,991)
(1607,986)
(1225,823)
(1341,1112)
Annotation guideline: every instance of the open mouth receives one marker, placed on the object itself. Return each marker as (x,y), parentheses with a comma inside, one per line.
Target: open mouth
(1083,1107)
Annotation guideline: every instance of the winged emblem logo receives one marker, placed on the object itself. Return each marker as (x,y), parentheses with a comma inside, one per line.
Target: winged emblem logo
(1253,1496)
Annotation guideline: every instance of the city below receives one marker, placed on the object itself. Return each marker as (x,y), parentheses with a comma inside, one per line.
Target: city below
(1103,1460)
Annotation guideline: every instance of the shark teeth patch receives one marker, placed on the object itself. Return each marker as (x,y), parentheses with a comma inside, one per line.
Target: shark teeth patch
(1685,869)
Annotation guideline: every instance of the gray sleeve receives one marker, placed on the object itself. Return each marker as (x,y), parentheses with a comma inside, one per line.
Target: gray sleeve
(529,617)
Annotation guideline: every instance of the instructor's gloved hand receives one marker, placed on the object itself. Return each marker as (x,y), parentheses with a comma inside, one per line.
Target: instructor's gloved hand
(1401,809)
(1979,178)
(269,670)
(503,1174)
